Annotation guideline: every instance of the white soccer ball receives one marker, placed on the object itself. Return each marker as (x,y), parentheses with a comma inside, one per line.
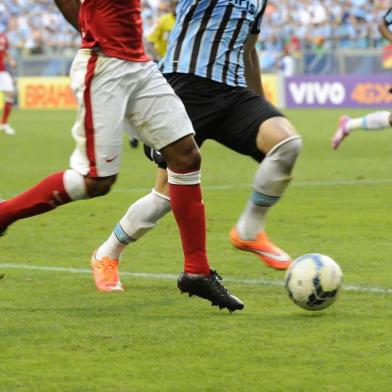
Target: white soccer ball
(313,281)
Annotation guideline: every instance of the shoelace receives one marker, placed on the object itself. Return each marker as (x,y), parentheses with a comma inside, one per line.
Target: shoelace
(216,278)
(215,275)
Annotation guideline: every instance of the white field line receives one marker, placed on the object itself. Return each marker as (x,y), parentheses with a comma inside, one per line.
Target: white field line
(295,184)
(164,277)
(343,182)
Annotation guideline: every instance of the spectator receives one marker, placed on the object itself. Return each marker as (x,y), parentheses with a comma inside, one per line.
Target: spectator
(316,24)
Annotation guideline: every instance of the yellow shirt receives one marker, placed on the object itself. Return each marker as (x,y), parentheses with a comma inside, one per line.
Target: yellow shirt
(161,32)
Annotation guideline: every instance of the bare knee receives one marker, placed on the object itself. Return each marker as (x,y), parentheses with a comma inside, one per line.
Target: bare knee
(273,132)
(183,155)
(190,160)
(99,186)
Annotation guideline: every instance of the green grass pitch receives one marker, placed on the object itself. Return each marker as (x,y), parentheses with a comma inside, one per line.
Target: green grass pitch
(58,334)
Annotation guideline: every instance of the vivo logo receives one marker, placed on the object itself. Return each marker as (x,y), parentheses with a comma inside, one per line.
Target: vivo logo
(317,93)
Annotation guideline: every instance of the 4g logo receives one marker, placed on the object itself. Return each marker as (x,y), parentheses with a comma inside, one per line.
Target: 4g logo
(372,93)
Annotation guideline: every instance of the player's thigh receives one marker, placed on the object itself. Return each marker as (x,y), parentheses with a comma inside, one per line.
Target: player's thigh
(98,83)
(272,132)
(156,114)
(241,128)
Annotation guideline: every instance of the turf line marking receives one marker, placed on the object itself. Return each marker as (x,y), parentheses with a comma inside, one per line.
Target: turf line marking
(295,184)
(163,277)
(247,186)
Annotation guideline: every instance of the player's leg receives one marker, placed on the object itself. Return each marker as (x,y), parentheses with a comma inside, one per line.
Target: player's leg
(90,174)
(8,103)
(53,191)
(158,106)
(140,218)
(256,128)
(99,139)
(183,160)
(277,139)
(370,122)
(145,213)
(170,131)
(9,99)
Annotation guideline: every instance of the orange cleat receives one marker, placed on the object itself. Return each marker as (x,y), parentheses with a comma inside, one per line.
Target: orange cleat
(105,274)
(269,253)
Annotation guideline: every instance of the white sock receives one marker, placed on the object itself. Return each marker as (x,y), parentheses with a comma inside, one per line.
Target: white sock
(141,217)
(372,121)
(271,179)
(74,185)
(251,221)
(112,247)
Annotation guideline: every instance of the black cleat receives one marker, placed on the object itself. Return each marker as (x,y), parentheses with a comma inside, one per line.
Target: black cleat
(209,288)
(134,143)
(2,276)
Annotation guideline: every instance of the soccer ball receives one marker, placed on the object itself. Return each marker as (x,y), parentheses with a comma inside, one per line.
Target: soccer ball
(313,281)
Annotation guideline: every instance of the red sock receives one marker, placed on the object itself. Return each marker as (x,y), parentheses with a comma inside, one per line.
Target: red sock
(188,209)
(42,197)
(6,112)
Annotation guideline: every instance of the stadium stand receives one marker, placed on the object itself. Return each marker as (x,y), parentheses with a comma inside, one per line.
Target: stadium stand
(309,28)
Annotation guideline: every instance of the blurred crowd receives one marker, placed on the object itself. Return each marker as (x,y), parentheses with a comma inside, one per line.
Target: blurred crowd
(328,23)
(36,27)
